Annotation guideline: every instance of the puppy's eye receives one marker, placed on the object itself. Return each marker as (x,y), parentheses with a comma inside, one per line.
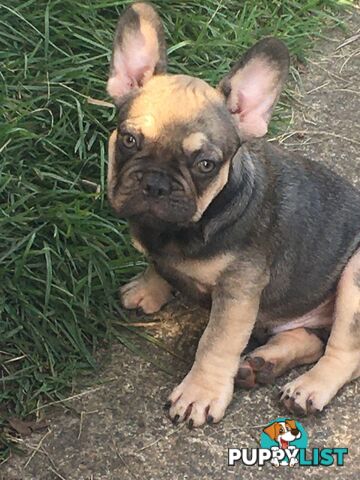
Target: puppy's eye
(205,166)
(128,140)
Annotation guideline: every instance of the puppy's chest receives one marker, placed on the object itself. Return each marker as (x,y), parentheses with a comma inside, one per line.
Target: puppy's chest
(202,273)
(193,276)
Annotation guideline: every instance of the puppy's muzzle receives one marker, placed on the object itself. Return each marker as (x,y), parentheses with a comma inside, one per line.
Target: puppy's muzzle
(156,185)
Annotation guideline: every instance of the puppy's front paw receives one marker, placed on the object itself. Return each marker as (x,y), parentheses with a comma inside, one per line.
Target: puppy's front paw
(200,398)
(147,291)
(307,394)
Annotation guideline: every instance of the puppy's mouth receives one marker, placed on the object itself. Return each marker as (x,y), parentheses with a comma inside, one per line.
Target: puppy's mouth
(153,196)
(145,210)
(140,207)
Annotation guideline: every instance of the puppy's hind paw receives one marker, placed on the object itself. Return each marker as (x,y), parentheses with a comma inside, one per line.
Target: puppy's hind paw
(254,371)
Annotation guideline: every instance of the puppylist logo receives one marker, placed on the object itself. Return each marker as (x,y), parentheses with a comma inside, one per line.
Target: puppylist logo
(284,442)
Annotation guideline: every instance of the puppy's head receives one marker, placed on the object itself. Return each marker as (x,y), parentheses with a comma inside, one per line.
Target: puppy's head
(177,136)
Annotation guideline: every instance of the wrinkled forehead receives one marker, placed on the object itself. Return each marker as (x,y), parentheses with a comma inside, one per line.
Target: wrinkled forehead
(172,100)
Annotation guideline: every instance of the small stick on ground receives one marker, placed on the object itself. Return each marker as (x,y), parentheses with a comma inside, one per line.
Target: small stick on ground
(36,449)
(56,473)
(349,40)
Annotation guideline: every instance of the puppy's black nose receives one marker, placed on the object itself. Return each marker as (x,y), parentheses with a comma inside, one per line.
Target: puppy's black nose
(295,431)
(156,184)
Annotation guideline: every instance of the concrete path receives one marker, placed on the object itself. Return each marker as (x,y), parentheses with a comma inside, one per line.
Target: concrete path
(117,430)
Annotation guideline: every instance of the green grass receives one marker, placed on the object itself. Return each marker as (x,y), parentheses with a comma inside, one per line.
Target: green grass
(62,253)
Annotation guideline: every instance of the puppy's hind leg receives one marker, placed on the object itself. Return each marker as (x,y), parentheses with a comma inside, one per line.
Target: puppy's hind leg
(340,364)
(147,291)
(282,352)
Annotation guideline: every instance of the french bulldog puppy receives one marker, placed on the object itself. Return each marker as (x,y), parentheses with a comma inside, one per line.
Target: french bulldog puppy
(267,239)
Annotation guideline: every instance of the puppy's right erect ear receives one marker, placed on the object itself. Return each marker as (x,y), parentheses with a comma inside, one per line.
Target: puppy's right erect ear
(139,50)
(252,87)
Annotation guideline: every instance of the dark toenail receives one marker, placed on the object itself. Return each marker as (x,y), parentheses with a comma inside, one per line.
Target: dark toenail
(310,406)
(210,419)
(257,362)
(175,419)
(298,409)
(188,412)
(139,312)
(286,397)
(297,393)
(191,424)
(167,405)
(268,366)
(243,373)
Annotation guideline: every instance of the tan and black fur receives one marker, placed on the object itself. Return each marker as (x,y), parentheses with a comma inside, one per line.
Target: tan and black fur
(268,240)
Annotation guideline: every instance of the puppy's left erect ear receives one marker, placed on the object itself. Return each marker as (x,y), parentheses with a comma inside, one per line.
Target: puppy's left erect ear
(254,84)
(139,50)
